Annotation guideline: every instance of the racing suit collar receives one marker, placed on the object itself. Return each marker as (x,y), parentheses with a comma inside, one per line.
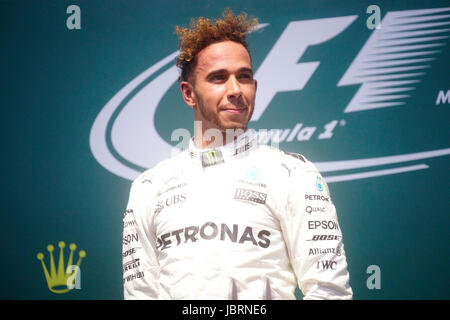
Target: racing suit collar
(240,147)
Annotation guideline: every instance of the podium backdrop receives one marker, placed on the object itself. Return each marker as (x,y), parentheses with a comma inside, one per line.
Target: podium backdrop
(90,100)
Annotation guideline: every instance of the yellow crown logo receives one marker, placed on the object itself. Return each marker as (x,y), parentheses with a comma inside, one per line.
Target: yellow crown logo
(62,280)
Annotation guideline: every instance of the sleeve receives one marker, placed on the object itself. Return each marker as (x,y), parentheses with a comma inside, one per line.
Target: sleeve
(140,263)
(314,238)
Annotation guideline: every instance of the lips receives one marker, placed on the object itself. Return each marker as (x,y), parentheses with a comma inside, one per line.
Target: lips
(234,110)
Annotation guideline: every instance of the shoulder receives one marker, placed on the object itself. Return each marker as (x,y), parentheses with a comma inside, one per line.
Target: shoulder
(301,173)
(290,160)
(158,173)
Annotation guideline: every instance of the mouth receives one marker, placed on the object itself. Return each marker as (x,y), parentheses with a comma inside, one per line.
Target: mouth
(234,110)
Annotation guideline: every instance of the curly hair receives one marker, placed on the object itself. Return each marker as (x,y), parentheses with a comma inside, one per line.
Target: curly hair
(203,32)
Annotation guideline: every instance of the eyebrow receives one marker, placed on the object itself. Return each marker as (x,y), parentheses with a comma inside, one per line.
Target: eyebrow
(219,71)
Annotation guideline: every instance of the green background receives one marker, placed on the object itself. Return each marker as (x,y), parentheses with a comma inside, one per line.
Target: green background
(55,82)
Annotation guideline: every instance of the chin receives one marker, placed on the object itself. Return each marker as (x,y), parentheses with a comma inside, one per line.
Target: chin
(236,126)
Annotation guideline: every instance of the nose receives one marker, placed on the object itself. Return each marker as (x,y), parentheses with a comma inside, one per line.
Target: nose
(233,87)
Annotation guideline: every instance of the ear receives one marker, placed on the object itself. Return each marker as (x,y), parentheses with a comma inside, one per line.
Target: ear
(188,94)
(256,85)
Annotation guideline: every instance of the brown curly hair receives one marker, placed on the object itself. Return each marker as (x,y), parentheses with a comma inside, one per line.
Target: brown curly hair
(203,32)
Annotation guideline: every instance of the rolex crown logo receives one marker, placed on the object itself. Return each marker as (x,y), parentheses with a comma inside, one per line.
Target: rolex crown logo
(61,280)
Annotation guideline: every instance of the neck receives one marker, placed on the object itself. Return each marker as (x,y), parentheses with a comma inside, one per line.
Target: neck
(213,137)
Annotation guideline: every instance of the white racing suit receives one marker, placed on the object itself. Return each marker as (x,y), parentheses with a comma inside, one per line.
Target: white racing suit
(243,221)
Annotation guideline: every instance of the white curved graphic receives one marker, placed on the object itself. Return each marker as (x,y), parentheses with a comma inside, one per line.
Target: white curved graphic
(376,173)
(135,139)
(380,161)
(133,134)
(97,138)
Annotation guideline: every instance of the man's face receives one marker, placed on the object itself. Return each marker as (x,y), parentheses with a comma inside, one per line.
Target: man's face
(223,89)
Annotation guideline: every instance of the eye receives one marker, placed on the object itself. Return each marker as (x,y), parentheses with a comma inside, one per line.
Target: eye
(218,78)
(245,77)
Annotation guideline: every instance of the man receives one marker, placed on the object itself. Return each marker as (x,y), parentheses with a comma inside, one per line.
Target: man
(228,218)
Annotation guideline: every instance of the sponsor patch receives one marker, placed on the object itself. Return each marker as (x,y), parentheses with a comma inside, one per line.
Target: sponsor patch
(250,195)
